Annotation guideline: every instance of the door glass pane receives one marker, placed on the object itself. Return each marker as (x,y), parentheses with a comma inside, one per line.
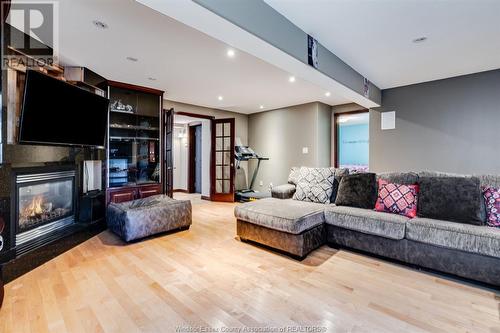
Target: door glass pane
(227,158)
(219,129)
(218,143)
(227,143)
(227,188)
(218,172)
(227,129)
(227,173)
(353,141)
(218,158)
(218,186)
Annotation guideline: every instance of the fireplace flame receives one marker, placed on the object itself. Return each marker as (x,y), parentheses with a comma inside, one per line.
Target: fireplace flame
(34,208)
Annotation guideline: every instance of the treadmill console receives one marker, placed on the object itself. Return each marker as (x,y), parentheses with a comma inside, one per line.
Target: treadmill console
(244,153)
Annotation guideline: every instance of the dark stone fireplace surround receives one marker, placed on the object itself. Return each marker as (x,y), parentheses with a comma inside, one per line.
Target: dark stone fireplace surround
(16,261)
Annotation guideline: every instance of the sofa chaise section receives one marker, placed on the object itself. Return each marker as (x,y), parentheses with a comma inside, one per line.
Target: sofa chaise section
(294,227)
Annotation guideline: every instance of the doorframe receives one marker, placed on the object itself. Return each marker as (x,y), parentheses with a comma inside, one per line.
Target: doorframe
(212,170)
(335,130)
(191,158)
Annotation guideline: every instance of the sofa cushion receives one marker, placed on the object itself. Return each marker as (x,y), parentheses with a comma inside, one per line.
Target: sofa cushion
(291,216)
(357,190)
(315,185)
(367,221)
(456,199)
(403,178)
(284,191)
(459,236)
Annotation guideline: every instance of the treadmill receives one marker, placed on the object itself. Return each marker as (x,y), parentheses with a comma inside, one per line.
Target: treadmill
(245,153)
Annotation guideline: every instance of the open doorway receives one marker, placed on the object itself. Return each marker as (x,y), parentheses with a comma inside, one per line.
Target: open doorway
(352,140)
(195,161)
(192,144)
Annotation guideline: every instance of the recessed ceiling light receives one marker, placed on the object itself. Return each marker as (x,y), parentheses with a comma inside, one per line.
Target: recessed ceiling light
(261,107)
(132,59)
(291,79)
(151,79)
(220,98)
(100,24)
(327,94)
(230,53)
(420,39)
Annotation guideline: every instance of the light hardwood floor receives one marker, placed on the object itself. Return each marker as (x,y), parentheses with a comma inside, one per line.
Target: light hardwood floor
(206,277)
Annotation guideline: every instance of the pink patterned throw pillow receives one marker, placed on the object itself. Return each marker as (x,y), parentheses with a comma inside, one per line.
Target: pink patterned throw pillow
(397,198)
(492,199)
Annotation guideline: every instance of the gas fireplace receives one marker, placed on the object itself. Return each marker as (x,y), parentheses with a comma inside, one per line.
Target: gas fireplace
(45,202)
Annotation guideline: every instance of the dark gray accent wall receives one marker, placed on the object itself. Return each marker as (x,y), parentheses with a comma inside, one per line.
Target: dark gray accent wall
(450,125)
(263,21)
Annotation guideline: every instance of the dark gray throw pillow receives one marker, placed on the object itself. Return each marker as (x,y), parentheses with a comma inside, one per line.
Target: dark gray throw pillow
(455,199)
(357,190)
(339,173)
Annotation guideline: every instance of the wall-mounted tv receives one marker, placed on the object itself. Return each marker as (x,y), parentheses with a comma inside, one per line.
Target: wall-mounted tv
(58,113)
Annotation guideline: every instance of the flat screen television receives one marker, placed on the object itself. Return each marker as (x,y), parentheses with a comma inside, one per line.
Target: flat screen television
(58,113)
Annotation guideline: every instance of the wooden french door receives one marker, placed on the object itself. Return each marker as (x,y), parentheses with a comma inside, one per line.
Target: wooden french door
(168,129)
(222,188)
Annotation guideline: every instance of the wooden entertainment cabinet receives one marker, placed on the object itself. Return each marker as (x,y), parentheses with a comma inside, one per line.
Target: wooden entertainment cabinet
(134,149)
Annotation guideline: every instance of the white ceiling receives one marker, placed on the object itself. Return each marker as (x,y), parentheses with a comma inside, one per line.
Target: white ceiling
(375,37)
(189,65)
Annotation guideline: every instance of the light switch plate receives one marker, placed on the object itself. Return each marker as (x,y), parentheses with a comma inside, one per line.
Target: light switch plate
(305,150)
(388,120)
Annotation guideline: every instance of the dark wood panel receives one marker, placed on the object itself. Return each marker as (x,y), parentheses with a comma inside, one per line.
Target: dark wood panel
(147,191)
(122,196)
(168,130)
(194,115)
(134,87)
(191,158)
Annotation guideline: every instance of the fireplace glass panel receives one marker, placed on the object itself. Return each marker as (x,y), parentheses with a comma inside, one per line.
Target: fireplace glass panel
(43,203)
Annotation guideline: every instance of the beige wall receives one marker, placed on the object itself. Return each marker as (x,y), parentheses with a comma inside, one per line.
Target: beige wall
(241,120)
(281,134)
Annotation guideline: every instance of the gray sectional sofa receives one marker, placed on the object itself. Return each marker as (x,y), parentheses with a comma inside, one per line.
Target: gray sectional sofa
(298,227)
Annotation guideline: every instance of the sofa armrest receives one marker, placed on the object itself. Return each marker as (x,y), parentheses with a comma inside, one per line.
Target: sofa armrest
(285,191)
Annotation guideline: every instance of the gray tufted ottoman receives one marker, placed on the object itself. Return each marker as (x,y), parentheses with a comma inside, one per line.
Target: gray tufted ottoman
(150,216)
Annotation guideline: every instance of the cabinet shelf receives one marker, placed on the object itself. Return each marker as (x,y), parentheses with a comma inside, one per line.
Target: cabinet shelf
(122,111)
(134,138)
(134,127)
